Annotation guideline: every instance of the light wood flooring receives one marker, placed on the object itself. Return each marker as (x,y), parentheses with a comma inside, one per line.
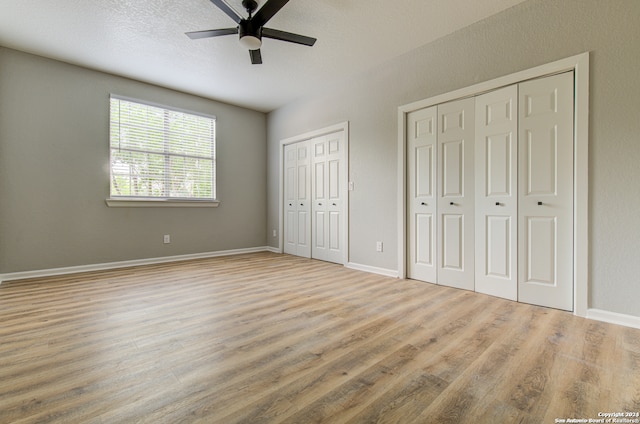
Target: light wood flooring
(267,338)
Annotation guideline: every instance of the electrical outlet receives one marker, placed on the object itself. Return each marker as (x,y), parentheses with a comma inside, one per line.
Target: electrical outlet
(378,246)
(167,239)
(350,185)
(275,233)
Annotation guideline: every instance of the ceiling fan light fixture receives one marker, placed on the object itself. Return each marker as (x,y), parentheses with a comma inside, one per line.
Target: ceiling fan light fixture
(250,35)
(250,42)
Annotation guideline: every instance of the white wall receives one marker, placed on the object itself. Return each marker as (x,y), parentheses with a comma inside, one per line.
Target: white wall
(54,173)
(530,34)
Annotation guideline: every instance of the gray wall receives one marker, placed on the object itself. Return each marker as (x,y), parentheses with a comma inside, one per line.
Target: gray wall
(54,173)
(530,34)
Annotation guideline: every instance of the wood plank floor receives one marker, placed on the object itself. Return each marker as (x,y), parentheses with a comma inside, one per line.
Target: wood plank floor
(266,338)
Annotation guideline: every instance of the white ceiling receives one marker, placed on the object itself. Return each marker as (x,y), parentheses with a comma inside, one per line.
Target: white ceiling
(144,40)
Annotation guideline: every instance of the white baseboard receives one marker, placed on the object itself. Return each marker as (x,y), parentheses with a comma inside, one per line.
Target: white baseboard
(594,314)
(614,318)
(372,269)
(124,264)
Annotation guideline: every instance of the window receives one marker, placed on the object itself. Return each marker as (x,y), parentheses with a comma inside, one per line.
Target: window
(161,154)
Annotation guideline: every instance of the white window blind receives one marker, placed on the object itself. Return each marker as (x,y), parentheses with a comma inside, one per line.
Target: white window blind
(160,153)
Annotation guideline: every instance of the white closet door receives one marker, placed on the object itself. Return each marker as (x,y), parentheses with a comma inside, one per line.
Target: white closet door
(496,201)
(290,199)
(328,191)
(546,192)
(456,122)
(336,194)
(297,218)
(303,202)
(421,158)
(319,221)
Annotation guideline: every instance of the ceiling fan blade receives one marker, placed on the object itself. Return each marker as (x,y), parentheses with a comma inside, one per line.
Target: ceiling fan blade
(222,5)
(266,12)
(288,36)
(256,57)
(194,35)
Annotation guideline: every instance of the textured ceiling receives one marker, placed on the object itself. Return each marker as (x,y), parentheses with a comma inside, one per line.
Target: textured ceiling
(144,40)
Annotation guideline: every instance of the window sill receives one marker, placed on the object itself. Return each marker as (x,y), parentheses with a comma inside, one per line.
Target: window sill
(160,203)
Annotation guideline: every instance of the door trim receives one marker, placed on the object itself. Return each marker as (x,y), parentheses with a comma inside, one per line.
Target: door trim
(344,127)
(580,65)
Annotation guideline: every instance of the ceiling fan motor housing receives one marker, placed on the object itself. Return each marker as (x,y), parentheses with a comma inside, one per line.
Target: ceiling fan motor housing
(250,34)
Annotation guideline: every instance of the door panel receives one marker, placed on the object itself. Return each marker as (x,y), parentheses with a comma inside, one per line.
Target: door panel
(499,254)
(421,159)
(303,184)
(452,168)
(328,194)
(290,199)
(541,253)
(496,158)
(546,192)
(498,164)
(453,242)
(541,164)
(319,222)
(334,179)
(303,236)
(297,212)
(319,231)
(318,181)
(336,183)
(424,170)
(290,234)
(334,233)
(455,234)
(424,240)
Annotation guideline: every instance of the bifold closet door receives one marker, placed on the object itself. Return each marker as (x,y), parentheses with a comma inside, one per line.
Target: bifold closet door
(503,182)
(524,226)
(297,210)
(421,184)
(328,191)
(546,191)
(496,202)
(455,225)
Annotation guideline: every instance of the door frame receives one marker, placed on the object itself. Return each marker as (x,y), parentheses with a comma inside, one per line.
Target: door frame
(580,65)
(344,127)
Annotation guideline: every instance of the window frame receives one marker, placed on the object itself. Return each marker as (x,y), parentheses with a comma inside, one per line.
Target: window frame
(163,201)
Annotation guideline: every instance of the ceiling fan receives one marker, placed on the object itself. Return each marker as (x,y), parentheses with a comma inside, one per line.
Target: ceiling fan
(252,29)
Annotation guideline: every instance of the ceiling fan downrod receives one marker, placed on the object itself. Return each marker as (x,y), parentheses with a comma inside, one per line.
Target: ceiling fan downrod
(250,6)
